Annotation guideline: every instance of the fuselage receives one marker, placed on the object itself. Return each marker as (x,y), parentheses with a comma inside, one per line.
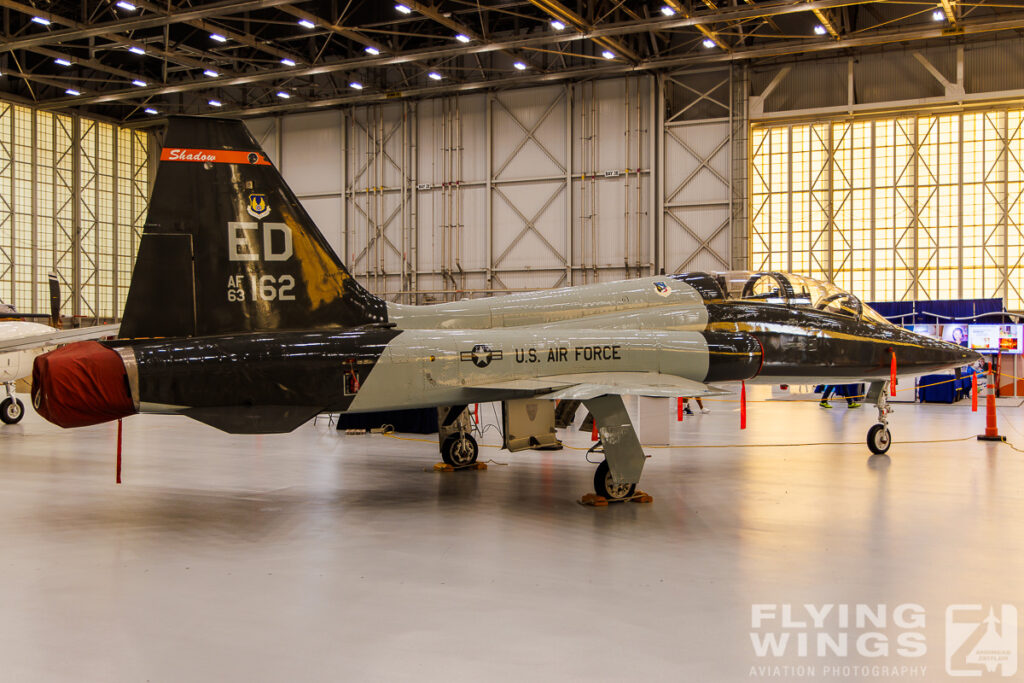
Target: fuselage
(15,365)
(699,327)
(802,342)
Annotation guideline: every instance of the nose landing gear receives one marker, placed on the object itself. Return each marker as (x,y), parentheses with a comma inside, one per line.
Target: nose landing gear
(879,438)
(11,409)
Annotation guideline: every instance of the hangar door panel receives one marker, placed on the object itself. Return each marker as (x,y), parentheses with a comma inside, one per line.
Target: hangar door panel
(697,188)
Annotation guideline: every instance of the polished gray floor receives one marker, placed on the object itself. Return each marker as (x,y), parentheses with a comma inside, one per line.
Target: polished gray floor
(321,557)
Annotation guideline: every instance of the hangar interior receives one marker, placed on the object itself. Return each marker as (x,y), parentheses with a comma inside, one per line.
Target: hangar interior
(461,150)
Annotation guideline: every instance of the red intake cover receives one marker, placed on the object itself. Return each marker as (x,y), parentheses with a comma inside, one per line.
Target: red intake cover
(81,384)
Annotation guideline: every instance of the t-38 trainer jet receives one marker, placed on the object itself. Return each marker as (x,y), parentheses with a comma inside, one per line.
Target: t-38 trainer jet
(242,317)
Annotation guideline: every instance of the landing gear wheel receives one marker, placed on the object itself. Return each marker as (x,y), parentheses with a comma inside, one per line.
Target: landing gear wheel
(459,450)
(11,411)
(879,439)
(606,488)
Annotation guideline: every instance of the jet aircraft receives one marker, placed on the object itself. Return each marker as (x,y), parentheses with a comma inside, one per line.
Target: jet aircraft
(21,341)
(241,316)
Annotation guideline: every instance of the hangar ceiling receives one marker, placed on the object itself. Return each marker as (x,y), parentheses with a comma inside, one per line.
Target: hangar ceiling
(133,61)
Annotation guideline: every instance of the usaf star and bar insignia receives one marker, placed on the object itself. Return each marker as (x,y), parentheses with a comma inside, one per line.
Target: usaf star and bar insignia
(481,355)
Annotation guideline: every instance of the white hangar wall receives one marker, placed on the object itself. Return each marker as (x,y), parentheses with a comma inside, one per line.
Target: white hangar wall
(522,189)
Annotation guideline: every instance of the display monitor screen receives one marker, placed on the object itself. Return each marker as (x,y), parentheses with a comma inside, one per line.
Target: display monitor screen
(996,338)
(955,333)
(926,330)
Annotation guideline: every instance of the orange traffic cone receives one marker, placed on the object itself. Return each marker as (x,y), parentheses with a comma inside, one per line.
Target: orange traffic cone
(991,431)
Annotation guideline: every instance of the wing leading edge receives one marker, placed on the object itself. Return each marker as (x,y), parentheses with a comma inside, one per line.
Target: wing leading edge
(585,386)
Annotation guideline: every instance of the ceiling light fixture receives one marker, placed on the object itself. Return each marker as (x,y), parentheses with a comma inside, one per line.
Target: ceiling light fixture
(62,61)
(210,73)
(557,25)
(126,6)
(608,54)
(433,75)
(136,50)
(306,23)
(820,30)
(41,21)
(150,111)
(462,37)
(218,37)
(215,103)
(668,11)
(72,92)
(707,42)
(356,85)
(139,83)
(403,9)
(938,15)
(520,65)
(288,62)
(283,95)
(371,50)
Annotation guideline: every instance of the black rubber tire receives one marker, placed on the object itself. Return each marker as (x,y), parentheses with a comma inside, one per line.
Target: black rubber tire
(879,439)
(459,450)
(11,411)
(604,487)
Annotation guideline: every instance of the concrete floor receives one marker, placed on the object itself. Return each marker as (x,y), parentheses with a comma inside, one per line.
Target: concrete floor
(319,557)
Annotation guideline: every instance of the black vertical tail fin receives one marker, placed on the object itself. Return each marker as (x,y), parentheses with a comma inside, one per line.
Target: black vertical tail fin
(228,248)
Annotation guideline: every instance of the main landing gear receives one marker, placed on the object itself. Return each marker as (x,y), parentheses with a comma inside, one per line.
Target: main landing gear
(879,438)
(606,487)
(459,450)
(618,474)
(458,447)
(11,409)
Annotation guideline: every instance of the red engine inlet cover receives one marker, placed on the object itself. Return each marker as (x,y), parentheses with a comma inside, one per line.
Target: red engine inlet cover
(81,384)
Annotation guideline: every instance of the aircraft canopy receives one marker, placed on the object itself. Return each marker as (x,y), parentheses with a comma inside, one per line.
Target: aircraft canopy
(795,290)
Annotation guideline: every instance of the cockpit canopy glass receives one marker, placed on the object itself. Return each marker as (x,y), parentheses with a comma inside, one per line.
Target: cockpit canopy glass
(795,290)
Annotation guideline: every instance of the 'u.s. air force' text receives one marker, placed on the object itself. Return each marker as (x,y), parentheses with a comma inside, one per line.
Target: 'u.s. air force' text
(564,354)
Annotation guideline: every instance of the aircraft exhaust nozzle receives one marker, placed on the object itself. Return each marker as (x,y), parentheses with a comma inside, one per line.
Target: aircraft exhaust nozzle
(81,384)
(733,356)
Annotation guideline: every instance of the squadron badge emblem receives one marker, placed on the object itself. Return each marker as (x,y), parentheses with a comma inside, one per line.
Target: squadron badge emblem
(663,289)
(258,207)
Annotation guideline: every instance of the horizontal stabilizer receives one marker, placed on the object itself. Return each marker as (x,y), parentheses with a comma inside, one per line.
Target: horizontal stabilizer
(58,337)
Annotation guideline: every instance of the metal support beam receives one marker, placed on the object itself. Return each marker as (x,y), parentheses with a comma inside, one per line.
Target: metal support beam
(756,102)
(826,23)
(1008,22)
(80,30)
(559,11)
(950,12)
(951,89)
(682,11)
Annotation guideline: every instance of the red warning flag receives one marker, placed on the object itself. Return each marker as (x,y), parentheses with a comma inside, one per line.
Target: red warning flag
(892,374)
(743,405)
(974,390)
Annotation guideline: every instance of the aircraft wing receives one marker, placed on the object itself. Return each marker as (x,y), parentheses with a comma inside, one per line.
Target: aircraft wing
(58,337)
(584,386)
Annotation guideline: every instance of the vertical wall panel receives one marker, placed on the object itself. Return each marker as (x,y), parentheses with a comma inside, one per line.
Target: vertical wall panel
(478,194)
(697,179)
